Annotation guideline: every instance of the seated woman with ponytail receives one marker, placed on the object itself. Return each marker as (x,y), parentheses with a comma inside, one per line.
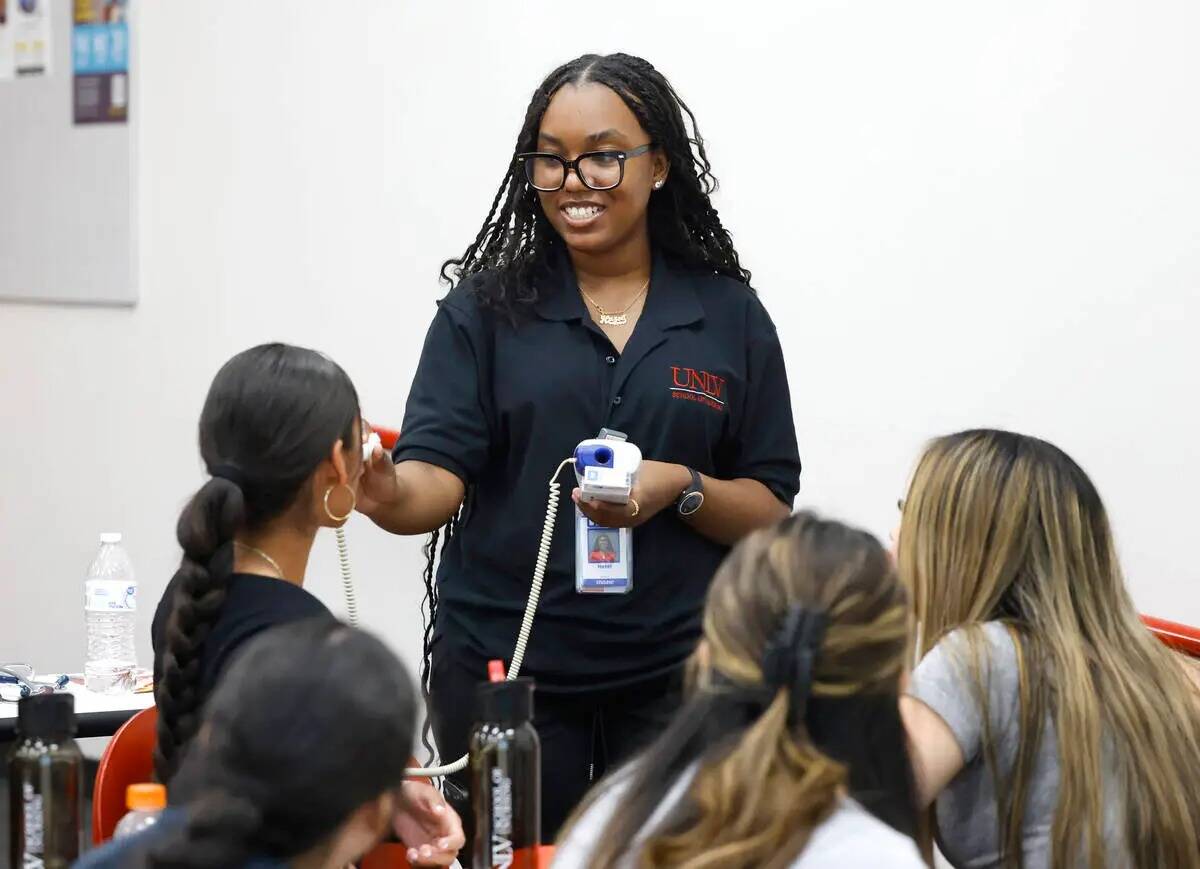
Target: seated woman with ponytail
(281,437)
(790,750)
(298,761)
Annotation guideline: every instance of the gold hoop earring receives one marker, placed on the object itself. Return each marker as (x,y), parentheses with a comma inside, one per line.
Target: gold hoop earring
(353,503)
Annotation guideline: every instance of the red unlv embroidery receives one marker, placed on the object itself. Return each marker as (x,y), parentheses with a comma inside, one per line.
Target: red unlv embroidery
(688,384)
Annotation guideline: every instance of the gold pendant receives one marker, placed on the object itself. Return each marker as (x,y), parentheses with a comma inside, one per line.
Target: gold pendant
(613,319)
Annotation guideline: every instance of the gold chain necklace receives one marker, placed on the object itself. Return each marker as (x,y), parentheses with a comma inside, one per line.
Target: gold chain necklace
(616,318)
(268,559)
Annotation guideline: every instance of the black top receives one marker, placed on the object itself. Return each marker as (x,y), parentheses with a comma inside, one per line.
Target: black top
(252,605)
(701,383)
(133,850)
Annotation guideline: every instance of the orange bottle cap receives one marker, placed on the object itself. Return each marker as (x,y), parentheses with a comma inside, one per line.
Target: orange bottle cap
(146,797)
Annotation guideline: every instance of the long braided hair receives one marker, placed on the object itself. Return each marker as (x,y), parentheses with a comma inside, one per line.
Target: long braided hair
(429,608)
(517,242)
(272,414)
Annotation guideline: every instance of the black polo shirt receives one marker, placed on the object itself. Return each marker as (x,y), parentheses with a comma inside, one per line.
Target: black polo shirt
(701,383)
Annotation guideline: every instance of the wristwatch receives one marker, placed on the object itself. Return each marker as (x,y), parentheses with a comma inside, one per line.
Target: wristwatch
(691,499)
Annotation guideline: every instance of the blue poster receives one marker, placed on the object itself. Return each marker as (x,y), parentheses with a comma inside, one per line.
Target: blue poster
(100,58)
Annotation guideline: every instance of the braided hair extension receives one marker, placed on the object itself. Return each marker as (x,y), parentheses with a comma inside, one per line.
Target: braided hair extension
(517,241)
(272,415)
(275,775)
(429,608)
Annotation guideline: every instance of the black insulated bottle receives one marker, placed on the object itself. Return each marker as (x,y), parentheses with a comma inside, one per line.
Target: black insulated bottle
(506,771)
(45,775)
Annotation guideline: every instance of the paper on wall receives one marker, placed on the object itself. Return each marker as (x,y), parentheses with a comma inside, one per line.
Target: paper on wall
(29,29)
(100,60)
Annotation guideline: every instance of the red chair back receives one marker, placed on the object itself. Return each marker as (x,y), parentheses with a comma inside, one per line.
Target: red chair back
(1182,638)
(387,437)
(128,760)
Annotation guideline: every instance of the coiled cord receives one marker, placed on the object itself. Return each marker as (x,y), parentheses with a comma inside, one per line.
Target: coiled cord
(531,604)
(347,583)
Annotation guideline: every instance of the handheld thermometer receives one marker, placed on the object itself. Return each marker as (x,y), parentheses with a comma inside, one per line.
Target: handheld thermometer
(606,469)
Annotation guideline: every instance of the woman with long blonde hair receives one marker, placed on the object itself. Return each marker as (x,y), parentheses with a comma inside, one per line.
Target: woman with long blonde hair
(790,751)
(1048,724)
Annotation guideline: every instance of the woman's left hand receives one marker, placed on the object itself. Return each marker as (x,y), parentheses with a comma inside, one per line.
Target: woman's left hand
(429,828)
(658,486)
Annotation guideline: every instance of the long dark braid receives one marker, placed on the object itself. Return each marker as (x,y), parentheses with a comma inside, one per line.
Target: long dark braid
(205,530)
(516,240)
(272,414)
(429,608)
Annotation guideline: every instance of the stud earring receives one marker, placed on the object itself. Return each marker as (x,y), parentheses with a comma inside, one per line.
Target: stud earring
(658,184)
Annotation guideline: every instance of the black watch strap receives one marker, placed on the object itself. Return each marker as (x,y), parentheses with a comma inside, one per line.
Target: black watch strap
(692,498)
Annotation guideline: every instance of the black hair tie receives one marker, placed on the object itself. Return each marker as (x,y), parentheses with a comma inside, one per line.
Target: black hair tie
(791,656)
(230,473)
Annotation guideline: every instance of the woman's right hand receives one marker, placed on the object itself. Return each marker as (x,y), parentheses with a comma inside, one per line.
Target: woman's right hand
(411,497)
(379,486)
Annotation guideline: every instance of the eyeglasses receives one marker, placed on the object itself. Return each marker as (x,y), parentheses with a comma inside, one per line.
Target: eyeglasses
(598,170)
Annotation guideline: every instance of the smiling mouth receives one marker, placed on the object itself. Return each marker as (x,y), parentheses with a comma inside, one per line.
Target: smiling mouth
(579,214)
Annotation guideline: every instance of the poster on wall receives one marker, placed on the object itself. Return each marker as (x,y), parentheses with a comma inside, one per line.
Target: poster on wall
(29,23)
(7,67)
(100,59)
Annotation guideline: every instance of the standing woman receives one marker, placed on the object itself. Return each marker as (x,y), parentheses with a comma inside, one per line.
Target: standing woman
(601,292)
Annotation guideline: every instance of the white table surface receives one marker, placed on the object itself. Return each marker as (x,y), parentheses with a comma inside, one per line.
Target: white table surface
(87,702)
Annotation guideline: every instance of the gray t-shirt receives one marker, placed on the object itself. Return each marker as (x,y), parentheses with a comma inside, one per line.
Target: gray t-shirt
(850,838)
(966,810)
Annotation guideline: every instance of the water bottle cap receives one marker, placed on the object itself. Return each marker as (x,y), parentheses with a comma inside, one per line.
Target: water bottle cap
(507,703)
(46,716)
(110,537)
(145,797)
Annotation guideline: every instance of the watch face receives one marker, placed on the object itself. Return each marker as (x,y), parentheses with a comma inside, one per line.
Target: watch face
(690,503)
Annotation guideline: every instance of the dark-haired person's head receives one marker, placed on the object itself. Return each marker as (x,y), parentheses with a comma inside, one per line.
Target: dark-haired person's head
(603,543)
(794,704)
(301,753)
(280,436)
(642,171)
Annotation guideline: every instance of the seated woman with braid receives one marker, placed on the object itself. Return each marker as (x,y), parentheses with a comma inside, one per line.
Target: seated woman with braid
(298,761)
(280,434)
(790,751)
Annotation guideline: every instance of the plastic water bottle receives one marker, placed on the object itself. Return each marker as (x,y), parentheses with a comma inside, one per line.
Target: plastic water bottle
(145,803)
(110,604)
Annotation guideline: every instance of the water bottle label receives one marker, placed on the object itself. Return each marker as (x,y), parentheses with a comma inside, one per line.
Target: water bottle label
(110,595)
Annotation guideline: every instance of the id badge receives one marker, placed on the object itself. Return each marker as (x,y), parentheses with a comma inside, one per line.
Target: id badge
(603,558)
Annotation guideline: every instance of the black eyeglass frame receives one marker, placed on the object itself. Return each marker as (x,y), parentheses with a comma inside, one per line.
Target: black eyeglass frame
(573,166)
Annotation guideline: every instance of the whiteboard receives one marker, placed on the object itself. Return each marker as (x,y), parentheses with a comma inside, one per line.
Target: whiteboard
(66,192)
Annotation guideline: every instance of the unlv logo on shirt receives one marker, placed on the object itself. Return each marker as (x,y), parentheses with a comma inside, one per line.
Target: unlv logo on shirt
(688,384)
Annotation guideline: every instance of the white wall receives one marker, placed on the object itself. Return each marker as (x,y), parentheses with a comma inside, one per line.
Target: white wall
(959,214)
